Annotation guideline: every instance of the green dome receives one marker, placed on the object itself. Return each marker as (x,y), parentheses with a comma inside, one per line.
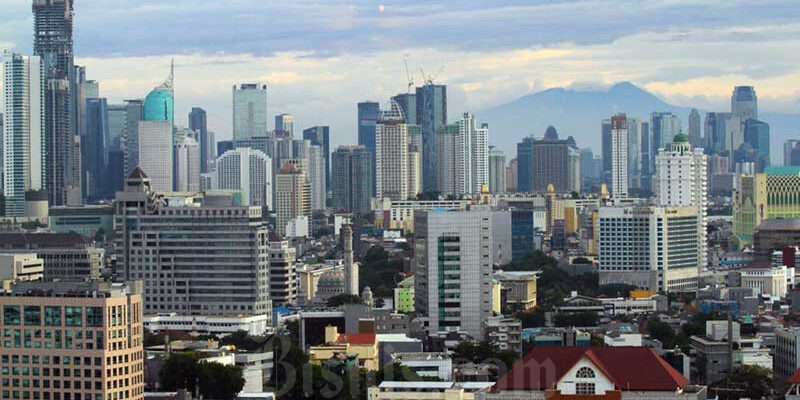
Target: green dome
(681,138)
(158,105)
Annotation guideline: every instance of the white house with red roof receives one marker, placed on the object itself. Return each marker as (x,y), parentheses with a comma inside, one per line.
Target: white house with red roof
(605,373)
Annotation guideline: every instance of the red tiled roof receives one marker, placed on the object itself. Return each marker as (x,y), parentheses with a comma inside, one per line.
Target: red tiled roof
(795,378)
(358,338)
(629,368)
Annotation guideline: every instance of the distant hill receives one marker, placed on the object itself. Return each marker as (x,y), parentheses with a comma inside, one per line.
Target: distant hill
(579,114)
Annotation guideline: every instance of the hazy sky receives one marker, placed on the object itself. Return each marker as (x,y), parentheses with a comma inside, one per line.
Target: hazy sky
(321,57)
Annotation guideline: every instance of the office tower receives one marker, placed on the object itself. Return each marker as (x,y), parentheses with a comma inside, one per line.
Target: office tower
(352,177)
(135,114)
(52,36)
(791,152)
(285,123)
(95,148)
(634,153)
(408,103)
(316,177)
(282,272)
(768,195)
(448,161)
(187,165)
(248,170)
(87,89)
(391,149)
(24,157)
(431,114)
(191,269)
(320,136)
(552,161)
(453,292)
(695,137)
(198,123)
(649,247)
(292,193)
(681,180)
(512,174)
(414,170)
(663,127)
(744,103)
(756,134)
(159,104)
(473,154)
(723,133)
(117,124)
(351,272)
(525,165)
(647,155)
(2,162)
(249,110)
(155,153)
(497,170)
(606,146)
(85,329)
(368,114)
(619,156)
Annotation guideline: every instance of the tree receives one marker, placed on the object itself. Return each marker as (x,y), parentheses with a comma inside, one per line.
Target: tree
(747,381)
(662,332)
(484,352)
(343,298)
(242,340)
(576,319)
(185,370)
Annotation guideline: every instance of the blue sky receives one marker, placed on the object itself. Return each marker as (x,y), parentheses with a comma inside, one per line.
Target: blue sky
(320,57)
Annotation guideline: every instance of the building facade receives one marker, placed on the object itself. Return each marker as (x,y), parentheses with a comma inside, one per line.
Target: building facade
(249,110)
(248,170)
(187,165)
(431,114)
(352,179)
(282,273)
(497,170)
(391,160)
(292,194)
(619,156)
(155,153)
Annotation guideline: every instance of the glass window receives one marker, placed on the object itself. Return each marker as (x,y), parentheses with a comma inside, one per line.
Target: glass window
(584,388)
(94,316)
(11,315)
(33,315)
(52,316)
(73,316)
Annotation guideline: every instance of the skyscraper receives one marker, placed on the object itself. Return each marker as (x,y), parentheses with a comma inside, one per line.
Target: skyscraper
(198,123)
(408,103)
(352,177)
(431,114)
(316,177)
(512,175)
(634,153)
(248,170)
(646,180)
(292,193)
(449,167)
(249,110)
(756,134)
(605,138)
(663,127)
(155,153)
(391,149)
(681,180)
(117,116)
(135,113)
(619,156)
(744,103)
(525,164)
(791,152)
(320,136)
(187,165)
(368,114)
(24,158)
(95,148)
(694,129)
(475,153)
(285,123)
(497,170)
(552,161)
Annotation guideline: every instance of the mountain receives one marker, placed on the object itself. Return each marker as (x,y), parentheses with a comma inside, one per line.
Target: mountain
(580,113)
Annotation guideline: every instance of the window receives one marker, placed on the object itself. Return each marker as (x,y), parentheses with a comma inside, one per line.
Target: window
(585,372)
(11,315)
(584,388)
(94,316)
(52,316)
(74,316)
(33,315)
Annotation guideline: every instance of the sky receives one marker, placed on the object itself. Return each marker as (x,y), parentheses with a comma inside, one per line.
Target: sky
(319,58)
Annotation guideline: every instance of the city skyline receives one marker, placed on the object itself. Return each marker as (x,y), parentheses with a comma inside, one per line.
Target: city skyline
(357,54)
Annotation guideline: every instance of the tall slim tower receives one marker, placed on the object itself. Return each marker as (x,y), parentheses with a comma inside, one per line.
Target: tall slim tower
(431,114)
(198,123)
(187,165)
(391,148)
(249,110)
(694,128)
(619,156)
(350,266)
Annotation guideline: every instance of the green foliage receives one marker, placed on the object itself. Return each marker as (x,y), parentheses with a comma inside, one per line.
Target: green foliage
(532,319)
(484,352)
(379,272)
(696,326)
(184,370)
(662,332)
(616,290)
(243,341)
(582,319)
(554,284)
(343,298)
(748,381)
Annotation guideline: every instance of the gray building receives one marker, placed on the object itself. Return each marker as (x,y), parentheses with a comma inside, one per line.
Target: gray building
(199,260)
(282,273)
(431,114)
(497,170)
(556,162)
(744,103)
(249,110)
(67,256)
(695,133)
(321,136)
(198,123)
(786,359)
(352,177)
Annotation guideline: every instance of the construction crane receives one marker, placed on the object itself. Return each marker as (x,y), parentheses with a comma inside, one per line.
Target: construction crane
(429,79)
(408,75)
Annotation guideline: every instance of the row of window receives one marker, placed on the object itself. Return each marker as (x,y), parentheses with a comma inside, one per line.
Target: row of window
(53,316)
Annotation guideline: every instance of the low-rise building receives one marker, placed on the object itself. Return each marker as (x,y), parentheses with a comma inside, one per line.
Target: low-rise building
(87,220)
(404,296)
(506,333)
(67,256)
(768,281)
(427,365)
(220,326)
(20,267)
(391,390)
(361,347)
(518,289)
(723,349)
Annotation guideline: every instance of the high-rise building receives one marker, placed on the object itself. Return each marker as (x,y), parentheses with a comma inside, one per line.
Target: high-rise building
(681,179)
(449,161)
(645,180)
(352,177)
(512,174)
(619,156)
(52,36)
(634,153)
(199,124)
(525,164)
(187,165)
(248,170)
(497,170)
(663,127)
(762,196)
(724,133)
(284,123)
(695,133)
(24,140)
(96,145)
(453,267)
(744,103)
(316,177)
(190,268)
(85,329)
(605,138)
(292,193)
(117,121)
(431,114)
(155,153)
(368,114)
(408,102)
(414,168)
(653,248)
(756,135)
(791,153)
(159,104)
(249,110)
(551,161)
(473,154)
(135,113)
(67,256)
(391,149)
(282,273)
(320,136)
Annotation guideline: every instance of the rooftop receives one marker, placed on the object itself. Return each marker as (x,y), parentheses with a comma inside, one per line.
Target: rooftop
(779,224)
(22,240)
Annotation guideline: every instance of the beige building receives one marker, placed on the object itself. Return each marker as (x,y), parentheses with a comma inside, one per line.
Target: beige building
(20,268)
(519,288)
(363,346)
(65,255)
(391,155)
(426,390)
(292,194)
(72,341)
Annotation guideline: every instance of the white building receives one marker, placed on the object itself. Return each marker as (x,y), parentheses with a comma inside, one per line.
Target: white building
(187,165)
(282,273)
(20,267)
(23,130)
(248,170)
(249,110)
(427,365)
(653,248)
(474,154)
(391,390)
(769,281)
(391,155)
(619,156)
(155,153)
(623,340)
(292,194)
(681,180)
(316,176)
(255,325)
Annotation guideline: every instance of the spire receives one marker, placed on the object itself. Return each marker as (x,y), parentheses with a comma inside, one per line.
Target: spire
(169,84)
